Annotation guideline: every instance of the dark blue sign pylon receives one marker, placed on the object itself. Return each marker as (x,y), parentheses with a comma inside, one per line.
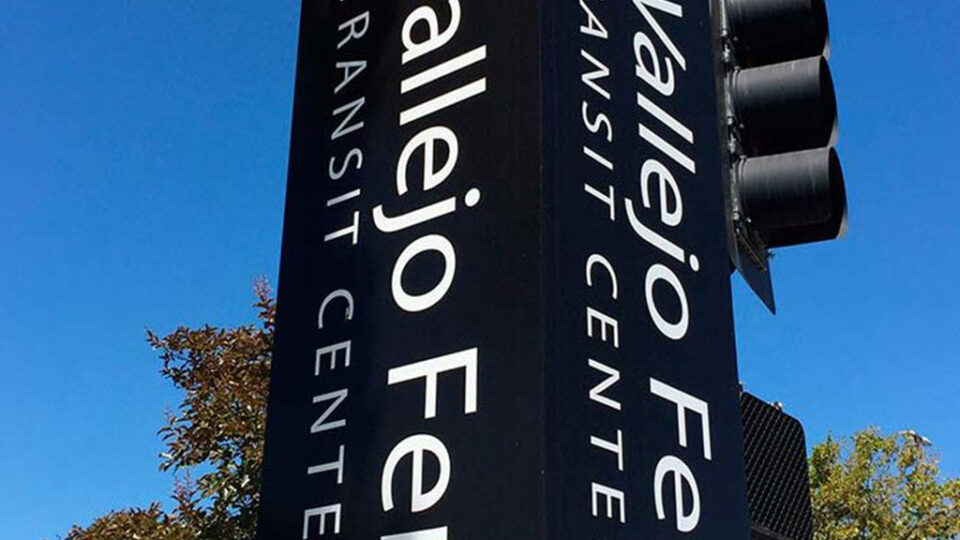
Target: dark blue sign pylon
(504,303)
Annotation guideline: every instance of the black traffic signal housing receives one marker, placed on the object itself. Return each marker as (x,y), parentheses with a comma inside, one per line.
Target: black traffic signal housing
(785,182)
(778,484)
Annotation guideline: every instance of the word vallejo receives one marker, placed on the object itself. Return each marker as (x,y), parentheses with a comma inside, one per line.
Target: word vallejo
(667,173)
(424,36)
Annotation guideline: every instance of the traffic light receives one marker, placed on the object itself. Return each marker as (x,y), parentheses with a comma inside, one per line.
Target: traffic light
(778,485)
(786,183)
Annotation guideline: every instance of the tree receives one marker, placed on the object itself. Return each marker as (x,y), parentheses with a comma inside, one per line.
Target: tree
(135,524)
(873,487)
(217,429)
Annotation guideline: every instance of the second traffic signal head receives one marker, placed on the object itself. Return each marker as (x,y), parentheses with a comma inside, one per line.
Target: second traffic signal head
(784,107)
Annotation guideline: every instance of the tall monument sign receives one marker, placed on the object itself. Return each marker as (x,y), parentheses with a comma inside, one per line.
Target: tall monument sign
(504,302)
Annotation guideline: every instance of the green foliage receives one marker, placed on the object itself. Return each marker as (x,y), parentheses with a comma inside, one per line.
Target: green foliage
(218,429)
(882,488)
(149,524)
(867,488)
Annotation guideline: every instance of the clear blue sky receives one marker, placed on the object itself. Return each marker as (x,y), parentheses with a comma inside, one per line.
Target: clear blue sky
(143,150)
